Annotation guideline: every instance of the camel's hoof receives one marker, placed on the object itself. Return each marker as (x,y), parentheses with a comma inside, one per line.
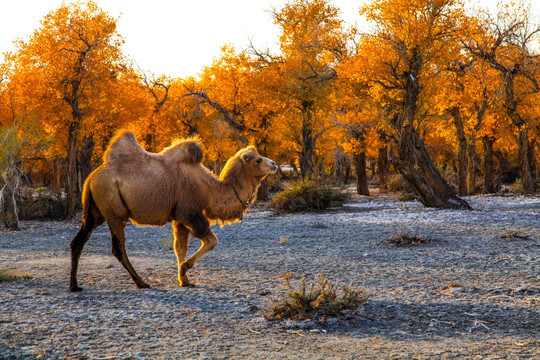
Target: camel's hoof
(143,286)
(186,284)
(75,288)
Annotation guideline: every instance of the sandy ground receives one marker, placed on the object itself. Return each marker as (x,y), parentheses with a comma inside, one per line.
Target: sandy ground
(472,292)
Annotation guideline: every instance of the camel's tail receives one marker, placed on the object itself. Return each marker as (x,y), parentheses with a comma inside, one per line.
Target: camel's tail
(87,200)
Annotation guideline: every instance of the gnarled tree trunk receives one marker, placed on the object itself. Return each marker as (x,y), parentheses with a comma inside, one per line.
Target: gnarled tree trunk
(471,169)
(426,181)
(491,177)
(72,176)
(525,158)
(361,176)
(462,159)
(383,167)
(308,146)
(8,204)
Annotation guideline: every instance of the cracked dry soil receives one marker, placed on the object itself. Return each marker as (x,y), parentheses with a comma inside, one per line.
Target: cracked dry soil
(472,291)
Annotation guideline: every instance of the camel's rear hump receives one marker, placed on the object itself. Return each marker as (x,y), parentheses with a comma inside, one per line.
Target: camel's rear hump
(186,150)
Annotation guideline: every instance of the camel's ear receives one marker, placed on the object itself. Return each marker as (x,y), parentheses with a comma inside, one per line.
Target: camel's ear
(247,156)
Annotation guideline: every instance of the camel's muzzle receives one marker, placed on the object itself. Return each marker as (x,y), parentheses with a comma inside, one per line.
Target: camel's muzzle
(273,166)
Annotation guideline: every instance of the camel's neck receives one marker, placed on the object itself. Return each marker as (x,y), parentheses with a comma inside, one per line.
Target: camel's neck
(232,199)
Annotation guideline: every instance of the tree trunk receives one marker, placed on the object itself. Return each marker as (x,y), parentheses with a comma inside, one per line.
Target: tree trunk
(343,167)
(491,178)
(85,159)
(503,165)
(308,146)
(72,183)
(427,182)
(534,163)
(263,193)
(525,161)
(462,151)
(347,174)
(57,183)
(72,96)
(361,176)
(8,204)
(383,167)
(471,171)
(510,106)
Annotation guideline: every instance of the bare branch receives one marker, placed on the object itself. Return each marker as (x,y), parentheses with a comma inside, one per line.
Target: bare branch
(229,116)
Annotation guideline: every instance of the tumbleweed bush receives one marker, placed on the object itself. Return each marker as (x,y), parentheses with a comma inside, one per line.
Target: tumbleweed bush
(308,195)
(319,299)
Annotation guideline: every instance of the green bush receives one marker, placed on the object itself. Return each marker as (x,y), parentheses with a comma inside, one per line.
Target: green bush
(307,195)
(321,299)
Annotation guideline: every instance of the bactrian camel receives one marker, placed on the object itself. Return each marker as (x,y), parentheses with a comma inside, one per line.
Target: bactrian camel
(173,185)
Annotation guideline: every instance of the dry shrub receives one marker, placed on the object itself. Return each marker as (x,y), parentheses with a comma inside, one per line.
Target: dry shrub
(514,235)
(396,183)
(320,299)
(167,242)
(404,240)
(451,285)
(307,195)
(41,204)
(6,276)
(517,187)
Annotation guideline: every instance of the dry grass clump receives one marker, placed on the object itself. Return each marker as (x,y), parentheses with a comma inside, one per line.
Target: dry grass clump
(320,299)
(451,285)
(6,276)
(307,195)
(514,235)
(405,239)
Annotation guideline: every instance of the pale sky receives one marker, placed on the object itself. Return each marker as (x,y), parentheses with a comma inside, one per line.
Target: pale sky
(173,37)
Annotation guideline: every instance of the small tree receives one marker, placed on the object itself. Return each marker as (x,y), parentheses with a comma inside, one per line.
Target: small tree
(507,46)
(400,63)
(15,146)
(66,70)
(10,175)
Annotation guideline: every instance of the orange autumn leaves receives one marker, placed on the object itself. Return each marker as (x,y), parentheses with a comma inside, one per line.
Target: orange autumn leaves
(298,104)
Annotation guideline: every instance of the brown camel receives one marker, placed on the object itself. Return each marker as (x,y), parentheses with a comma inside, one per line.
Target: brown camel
(153,189)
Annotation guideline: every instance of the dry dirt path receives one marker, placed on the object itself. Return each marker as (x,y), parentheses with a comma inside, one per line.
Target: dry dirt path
(468,293)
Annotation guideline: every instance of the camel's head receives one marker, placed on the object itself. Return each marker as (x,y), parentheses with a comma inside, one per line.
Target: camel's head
(256,164)
(251,163)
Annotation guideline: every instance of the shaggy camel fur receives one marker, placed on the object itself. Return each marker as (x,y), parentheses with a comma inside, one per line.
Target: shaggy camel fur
(153,189)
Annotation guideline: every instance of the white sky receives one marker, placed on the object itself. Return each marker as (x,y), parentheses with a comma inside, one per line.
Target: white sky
(173,37)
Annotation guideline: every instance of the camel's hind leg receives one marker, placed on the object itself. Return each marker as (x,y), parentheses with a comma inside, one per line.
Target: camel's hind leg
(200,228)
(89,223)
(118,239)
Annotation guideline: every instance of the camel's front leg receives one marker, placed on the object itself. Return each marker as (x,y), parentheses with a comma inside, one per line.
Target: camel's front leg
(181,242)
(207,244)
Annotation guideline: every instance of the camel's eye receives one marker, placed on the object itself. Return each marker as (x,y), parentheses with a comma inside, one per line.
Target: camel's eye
(259,161)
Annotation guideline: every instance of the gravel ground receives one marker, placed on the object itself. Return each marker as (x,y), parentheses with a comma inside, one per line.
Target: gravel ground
(469,293)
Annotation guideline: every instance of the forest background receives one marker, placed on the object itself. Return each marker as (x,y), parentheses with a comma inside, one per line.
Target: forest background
(433,89)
